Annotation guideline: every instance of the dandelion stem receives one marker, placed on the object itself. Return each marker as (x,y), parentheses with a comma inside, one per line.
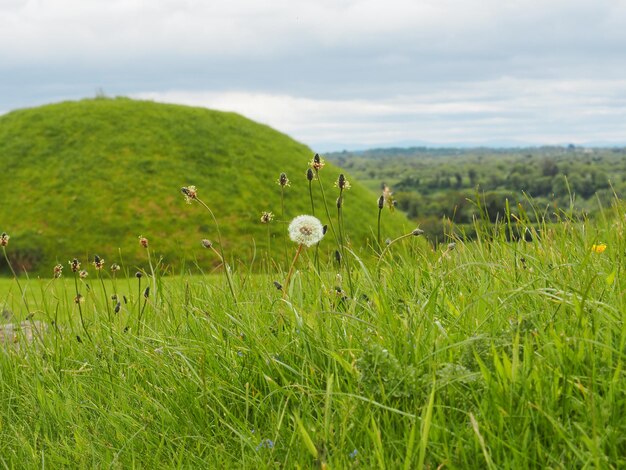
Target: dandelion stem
(293,263)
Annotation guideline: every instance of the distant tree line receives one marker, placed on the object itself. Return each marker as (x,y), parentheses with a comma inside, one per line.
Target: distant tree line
(435,185)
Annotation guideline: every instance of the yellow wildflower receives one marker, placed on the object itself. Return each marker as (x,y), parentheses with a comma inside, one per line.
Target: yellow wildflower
(598,248)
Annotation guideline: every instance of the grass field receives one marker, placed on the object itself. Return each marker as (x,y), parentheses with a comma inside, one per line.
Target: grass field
(485,354)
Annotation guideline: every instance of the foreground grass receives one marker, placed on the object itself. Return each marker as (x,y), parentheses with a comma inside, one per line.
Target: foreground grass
(490,354)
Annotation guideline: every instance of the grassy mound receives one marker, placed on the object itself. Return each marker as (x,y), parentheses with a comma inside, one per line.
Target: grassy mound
(88,177)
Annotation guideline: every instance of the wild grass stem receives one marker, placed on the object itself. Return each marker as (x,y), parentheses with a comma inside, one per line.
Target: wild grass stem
(342,184)
(227,272)
(78,299)
(17,281)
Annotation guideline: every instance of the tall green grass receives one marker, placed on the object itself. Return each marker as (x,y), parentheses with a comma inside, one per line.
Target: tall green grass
(498,353)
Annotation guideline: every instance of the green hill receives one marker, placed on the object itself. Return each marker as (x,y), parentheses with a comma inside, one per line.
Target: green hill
(88,177)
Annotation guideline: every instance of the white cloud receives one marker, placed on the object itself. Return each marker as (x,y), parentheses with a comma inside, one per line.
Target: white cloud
(504,110)
(336,71)
(95,29)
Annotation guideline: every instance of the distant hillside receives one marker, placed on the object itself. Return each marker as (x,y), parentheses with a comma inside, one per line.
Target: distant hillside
(88,177)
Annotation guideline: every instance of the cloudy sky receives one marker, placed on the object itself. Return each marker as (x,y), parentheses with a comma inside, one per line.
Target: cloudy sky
(338,74)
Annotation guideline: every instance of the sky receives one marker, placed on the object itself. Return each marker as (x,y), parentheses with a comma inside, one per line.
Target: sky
(338,74)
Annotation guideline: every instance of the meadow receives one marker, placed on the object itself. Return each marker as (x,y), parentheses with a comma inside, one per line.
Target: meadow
(505,351)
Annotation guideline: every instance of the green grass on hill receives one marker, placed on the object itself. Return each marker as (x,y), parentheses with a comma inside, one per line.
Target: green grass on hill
(88,177)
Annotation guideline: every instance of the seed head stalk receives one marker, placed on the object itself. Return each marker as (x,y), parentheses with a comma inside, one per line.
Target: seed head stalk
(80,309)
(154,285)
(221,252)
(266,219)
(19,286)
(143,241)
(106,301)
(330,220)
(381,204)
(282,217)
(106,297)
(415,233)
(114,269)
(145,302)
(269,249)
(309,177)
(283,182)
(340,225)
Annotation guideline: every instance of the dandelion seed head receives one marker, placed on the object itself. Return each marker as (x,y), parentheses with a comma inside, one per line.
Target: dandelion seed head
(306,230)
(4,239)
